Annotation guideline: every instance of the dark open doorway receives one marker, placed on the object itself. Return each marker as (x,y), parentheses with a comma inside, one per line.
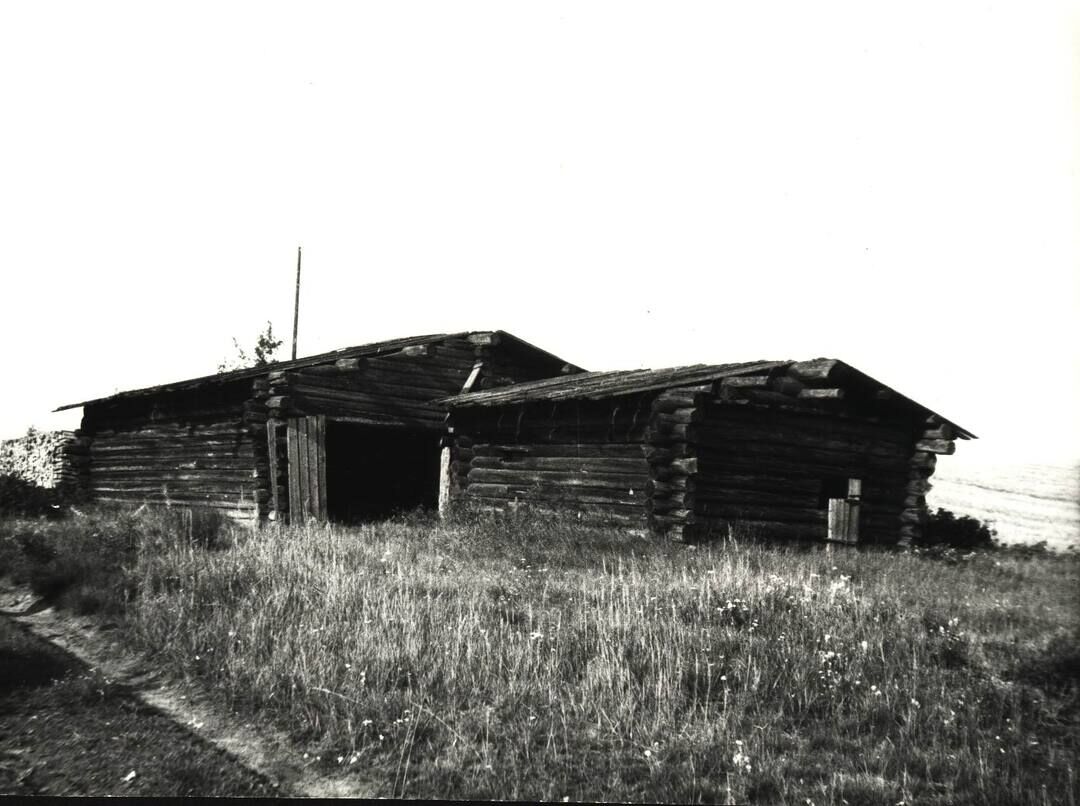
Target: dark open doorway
(373,472)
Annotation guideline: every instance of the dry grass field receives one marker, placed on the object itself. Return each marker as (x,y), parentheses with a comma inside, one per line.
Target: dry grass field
(533,659)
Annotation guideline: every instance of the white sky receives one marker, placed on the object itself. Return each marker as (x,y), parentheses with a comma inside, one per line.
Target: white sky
(622,184)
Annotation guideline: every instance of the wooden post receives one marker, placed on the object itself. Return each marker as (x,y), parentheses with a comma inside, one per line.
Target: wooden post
(296,305)
(271,444)
(444,481)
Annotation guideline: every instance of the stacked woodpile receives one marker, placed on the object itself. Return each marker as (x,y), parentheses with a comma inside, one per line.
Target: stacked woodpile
(46,459)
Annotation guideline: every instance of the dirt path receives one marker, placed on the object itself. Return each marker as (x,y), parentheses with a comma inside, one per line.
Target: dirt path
(111,710)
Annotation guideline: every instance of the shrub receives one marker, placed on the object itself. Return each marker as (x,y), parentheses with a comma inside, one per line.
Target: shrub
(20,497)
(963,532)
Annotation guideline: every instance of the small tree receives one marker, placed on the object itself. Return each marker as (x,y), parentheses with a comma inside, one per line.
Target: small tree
(265,347)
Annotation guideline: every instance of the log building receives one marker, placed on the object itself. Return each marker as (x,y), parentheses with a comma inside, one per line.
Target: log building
(344,435)
(808,450)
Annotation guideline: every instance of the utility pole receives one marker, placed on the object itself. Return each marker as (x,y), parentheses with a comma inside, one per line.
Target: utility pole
(296,306)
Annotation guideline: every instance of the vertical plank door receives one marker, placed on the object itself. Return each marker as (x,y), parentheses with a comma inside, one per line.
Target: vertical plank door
(307,468)
(844,514)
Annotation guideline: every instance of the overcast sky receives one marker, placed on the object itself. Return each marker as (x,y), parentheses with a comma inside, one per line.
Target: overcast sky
(622,184)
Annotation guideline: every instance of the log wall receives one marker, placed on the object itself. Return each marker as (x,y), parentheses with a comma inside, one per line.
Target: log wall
(180,448)
(758,450)
(767,469)
(585,458)
(397,389)
(765,450)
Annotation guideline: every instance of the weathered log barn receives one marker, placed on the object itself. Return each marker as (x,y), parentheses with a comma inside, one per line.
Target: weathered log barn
(809,450)
(344,435)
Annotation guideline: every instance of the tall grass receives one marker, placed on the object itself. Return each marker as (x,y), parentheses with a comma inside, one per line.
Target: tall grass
(543,660)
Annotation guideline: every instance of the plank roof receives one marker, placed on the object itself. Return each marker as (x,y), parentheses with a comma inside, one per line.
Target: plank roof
(359,351)
(600,385)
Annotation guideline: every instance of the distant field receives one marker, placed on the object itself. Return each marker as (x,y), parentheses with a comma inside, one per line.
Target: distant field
(1027,503)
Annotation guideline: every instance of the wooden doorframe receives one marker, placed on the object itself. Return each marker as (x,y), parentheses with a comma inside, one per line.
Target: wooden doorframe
(306,440)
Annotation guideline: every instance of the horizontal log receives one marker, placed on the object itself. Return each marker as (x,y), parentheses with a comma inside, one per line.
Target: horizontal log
(674,399)
(170,442)
(342,415)
(939,446)
(715,478)
(425,391)
(239,510)
(663,456)
(924,460)
(178,493)
(349,364)
(405,369)
(775,514)
(814,371)
(94,420)
(821,394)
(560,434)
(687,466)
(316,370)
(802,433)
(631,516)
(673,518)
(510,420)
(682,500)
(627,450)
(916,516)
(435,362)
(756,395)
(343,409)
(786,385)
(763,528)
(720,448)
(671,434)
(795,465)
(910,532)
(635,481)
(944,431)
(918,487)
(579,464)
(682,416)
(124,453)
(302,392)
(807,420)
(577,495)
(745,382)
